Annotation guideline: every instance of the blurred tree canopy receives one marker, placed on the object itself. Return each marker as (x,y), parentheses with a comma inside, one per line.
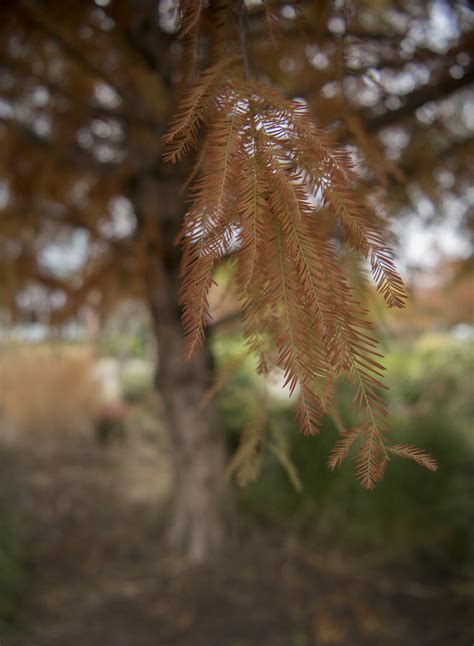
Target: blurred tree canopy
(86,91)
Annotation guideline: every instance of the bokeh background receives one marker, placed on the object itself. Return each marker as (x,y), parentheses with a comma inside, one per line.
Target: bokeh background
(86,474)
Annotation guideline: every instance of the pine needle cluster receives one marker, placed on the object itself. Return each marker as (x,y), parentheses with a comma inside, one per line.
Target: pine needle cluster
(267,188)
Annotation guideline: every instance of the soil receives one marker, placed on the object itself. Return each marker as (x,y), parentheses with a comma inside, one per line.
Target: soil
(98,576)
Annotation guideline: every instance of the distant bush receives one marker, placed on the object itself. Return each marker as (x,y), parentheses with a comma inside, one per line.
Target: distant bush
(137,380)
(411,512)
(433,374)
(132,346)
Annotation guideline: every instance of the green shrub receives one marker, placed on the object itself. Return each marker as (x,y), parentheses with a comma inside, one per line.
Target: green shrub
(412,511)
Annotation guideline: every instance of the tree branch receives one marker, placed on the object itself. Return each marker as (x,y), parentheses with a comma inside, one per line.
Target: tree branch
(419,97)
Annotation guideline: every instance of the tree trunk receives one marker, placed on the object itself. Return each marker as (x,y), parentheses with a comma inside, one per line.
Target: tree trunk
(196,522)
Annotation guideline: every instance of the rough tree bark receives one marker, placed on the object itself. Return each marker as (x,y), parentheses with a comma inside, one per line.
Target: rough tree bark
(196,522)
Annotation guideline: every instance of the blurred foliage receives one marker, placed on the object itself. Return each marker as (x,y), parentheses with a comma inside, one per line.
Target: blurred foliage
(411,512)
(116,345)
(136,380)
(126,332)
(432,375)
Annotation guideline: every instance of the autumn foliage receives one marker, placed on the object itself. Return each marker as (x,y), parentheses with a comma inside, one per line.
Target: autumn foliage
(268,188)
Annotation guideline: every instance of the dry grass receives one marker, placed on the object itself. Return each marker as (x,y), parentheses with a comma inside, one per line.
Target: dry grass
(47,389)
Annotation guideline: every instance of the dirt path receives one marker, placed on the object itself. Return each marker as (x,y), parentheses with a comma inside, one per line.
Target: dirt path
(98,577)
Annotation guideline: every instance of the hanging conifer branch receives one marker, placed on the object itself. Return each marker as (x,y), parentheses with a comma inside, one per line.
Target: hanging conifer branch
(266,179)
(189,13)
